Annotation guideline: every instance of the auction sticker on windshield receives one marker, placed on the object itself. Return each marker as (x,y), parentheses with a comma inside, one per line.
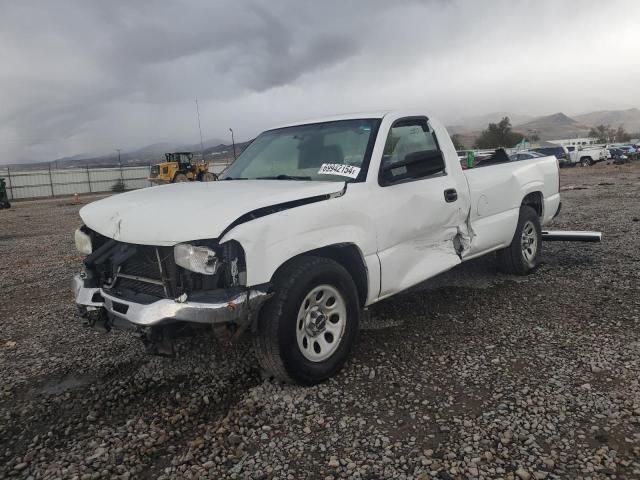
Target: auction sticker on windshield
(339,169)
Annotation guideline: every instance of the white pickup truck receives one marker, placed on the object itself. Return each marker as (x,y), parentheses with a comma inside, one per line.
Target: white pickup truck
(313,223)
(587,155)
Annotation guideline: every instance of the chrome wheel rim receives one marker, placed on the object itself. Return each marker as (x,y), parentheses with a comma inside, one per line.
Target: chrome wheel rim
(321,322)
(529,241)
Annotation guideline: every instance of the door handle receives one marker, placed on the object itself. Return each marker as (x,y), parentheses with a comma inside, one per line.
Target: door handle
(450,195)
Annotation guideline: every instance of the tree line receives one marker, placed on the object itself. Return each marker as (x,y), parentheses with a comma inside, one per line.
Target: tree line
(501,134)
(607,134)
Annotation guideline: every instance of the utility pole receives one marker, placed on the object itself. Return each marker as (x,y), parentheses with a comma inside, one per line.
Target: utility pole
(10,185)
(233,142)
(200,128)
(88,178)
(51,181)
(120,164)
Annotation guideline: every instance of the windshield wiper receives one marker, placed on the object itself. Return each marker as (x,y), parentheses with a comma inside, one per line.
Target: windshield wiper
(284,177)
(235,178)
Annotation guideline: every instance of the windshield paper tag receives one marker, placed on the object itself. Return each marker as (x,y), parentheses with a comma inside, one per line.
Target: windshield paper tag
(339,169)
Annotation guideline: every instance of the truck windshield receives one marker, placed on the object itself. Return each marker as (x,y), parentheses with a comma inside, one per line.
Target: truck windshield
(330,151)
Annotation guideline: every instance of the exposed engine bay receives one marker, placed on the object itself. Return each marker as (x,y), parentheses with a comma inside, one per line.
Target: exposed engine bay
(145,274)
(143,288)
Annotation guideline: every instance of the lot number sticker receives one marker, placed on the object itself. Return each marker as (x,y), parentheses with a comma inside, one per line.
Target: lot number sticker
(339,169)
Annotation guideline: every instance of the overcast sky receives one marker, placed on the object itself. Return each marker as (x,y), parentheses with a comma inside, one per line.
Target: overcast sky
(92,76)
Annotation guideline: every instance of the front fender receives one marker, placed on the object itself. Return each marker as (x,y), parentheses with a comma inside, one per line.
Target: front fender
(270,241)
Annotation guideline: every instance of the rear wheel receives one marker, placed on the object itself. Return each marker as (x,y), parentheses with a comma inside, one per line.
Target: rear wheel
(586,161)
(208,177)
(307,329)
(180,177)
(523,254)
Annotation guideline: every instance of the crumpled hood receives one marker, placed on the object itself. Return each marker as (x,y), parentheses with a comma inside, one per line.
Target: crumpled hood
(168,214)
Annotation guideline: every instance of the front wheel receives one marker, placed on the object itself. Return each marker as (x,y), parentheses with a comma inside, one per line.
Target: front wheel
(522,256)
(208,177)
(307,329)
(180,178)
(586,161)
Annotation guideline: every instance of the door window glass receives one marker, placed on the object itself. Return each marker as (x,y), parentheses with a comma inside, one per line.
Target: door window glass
(411,152)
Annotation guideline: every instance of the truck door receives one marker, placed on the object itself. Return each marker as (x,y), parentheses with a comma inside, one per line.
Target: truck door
(418,212)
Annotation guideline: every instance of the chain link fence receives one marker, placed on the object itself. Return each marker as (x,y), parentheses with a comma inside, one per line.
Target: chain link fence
(53,183)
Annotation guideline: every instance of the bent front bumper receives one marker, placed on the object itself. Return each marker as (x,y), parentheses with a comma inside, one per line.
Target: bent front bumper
(216,306)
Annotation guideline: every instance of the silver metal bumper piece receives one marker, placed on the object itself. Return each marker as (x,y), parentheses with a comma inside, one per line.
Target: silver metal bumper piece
(571,236)
(218,306)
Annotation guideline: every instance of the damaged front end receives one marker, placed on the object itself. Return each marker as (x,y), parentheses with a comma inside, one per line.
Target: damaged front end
(142,288)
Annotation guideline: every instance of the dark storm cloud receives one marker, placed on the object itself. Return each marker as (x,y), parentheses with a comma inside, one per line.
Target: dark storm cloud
(89,76)
(256,46)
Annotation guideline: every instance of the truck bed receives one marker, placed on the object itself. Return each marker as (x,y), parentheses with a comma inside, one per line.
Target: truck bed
(496,192)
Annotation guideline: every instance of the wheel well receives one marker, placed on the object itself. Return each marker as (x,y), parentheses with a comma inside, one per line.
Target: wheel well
(534,200)
(348,255)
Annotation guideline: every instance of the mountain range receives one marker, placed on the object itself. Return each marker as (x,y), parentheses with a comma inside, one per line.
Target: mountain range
(149,154)
(629,119)
(547,127)
(161,148)
(550,127)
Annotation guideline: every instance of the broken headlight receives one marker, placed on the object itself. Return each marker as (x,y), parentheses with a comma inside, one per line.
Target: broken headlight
(83,242)
(197,259)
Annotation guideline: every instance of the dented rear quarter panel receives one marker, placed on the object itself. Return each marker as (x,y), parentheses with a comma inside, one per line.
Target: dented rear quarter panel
(496,194)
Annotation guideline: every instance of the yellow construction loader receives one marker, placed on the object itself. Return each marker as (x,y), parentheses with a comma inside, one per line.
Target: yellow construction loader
(178,167)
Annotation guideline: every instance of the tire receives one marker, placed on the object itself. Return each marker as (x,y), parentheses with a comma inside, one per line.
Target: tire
(180,178)
(586,161)
(208,177)
(516,258)
(283,325)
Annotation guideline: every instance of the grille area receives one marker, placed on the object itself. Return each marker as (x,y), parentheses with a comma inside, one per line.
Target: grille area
(145,274)
(144,264)
(137,286)
(141,275)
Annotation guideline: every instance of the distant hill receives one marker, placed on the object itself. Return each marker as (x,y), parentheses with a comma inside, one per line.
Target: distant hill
(629,119)
(211,143)
(159,148)
(148,154)
(550,127)
(479,122)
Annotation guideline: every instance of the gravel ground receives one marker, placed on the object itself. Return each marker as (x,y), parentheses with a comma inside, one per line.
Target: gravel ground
(471,375)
